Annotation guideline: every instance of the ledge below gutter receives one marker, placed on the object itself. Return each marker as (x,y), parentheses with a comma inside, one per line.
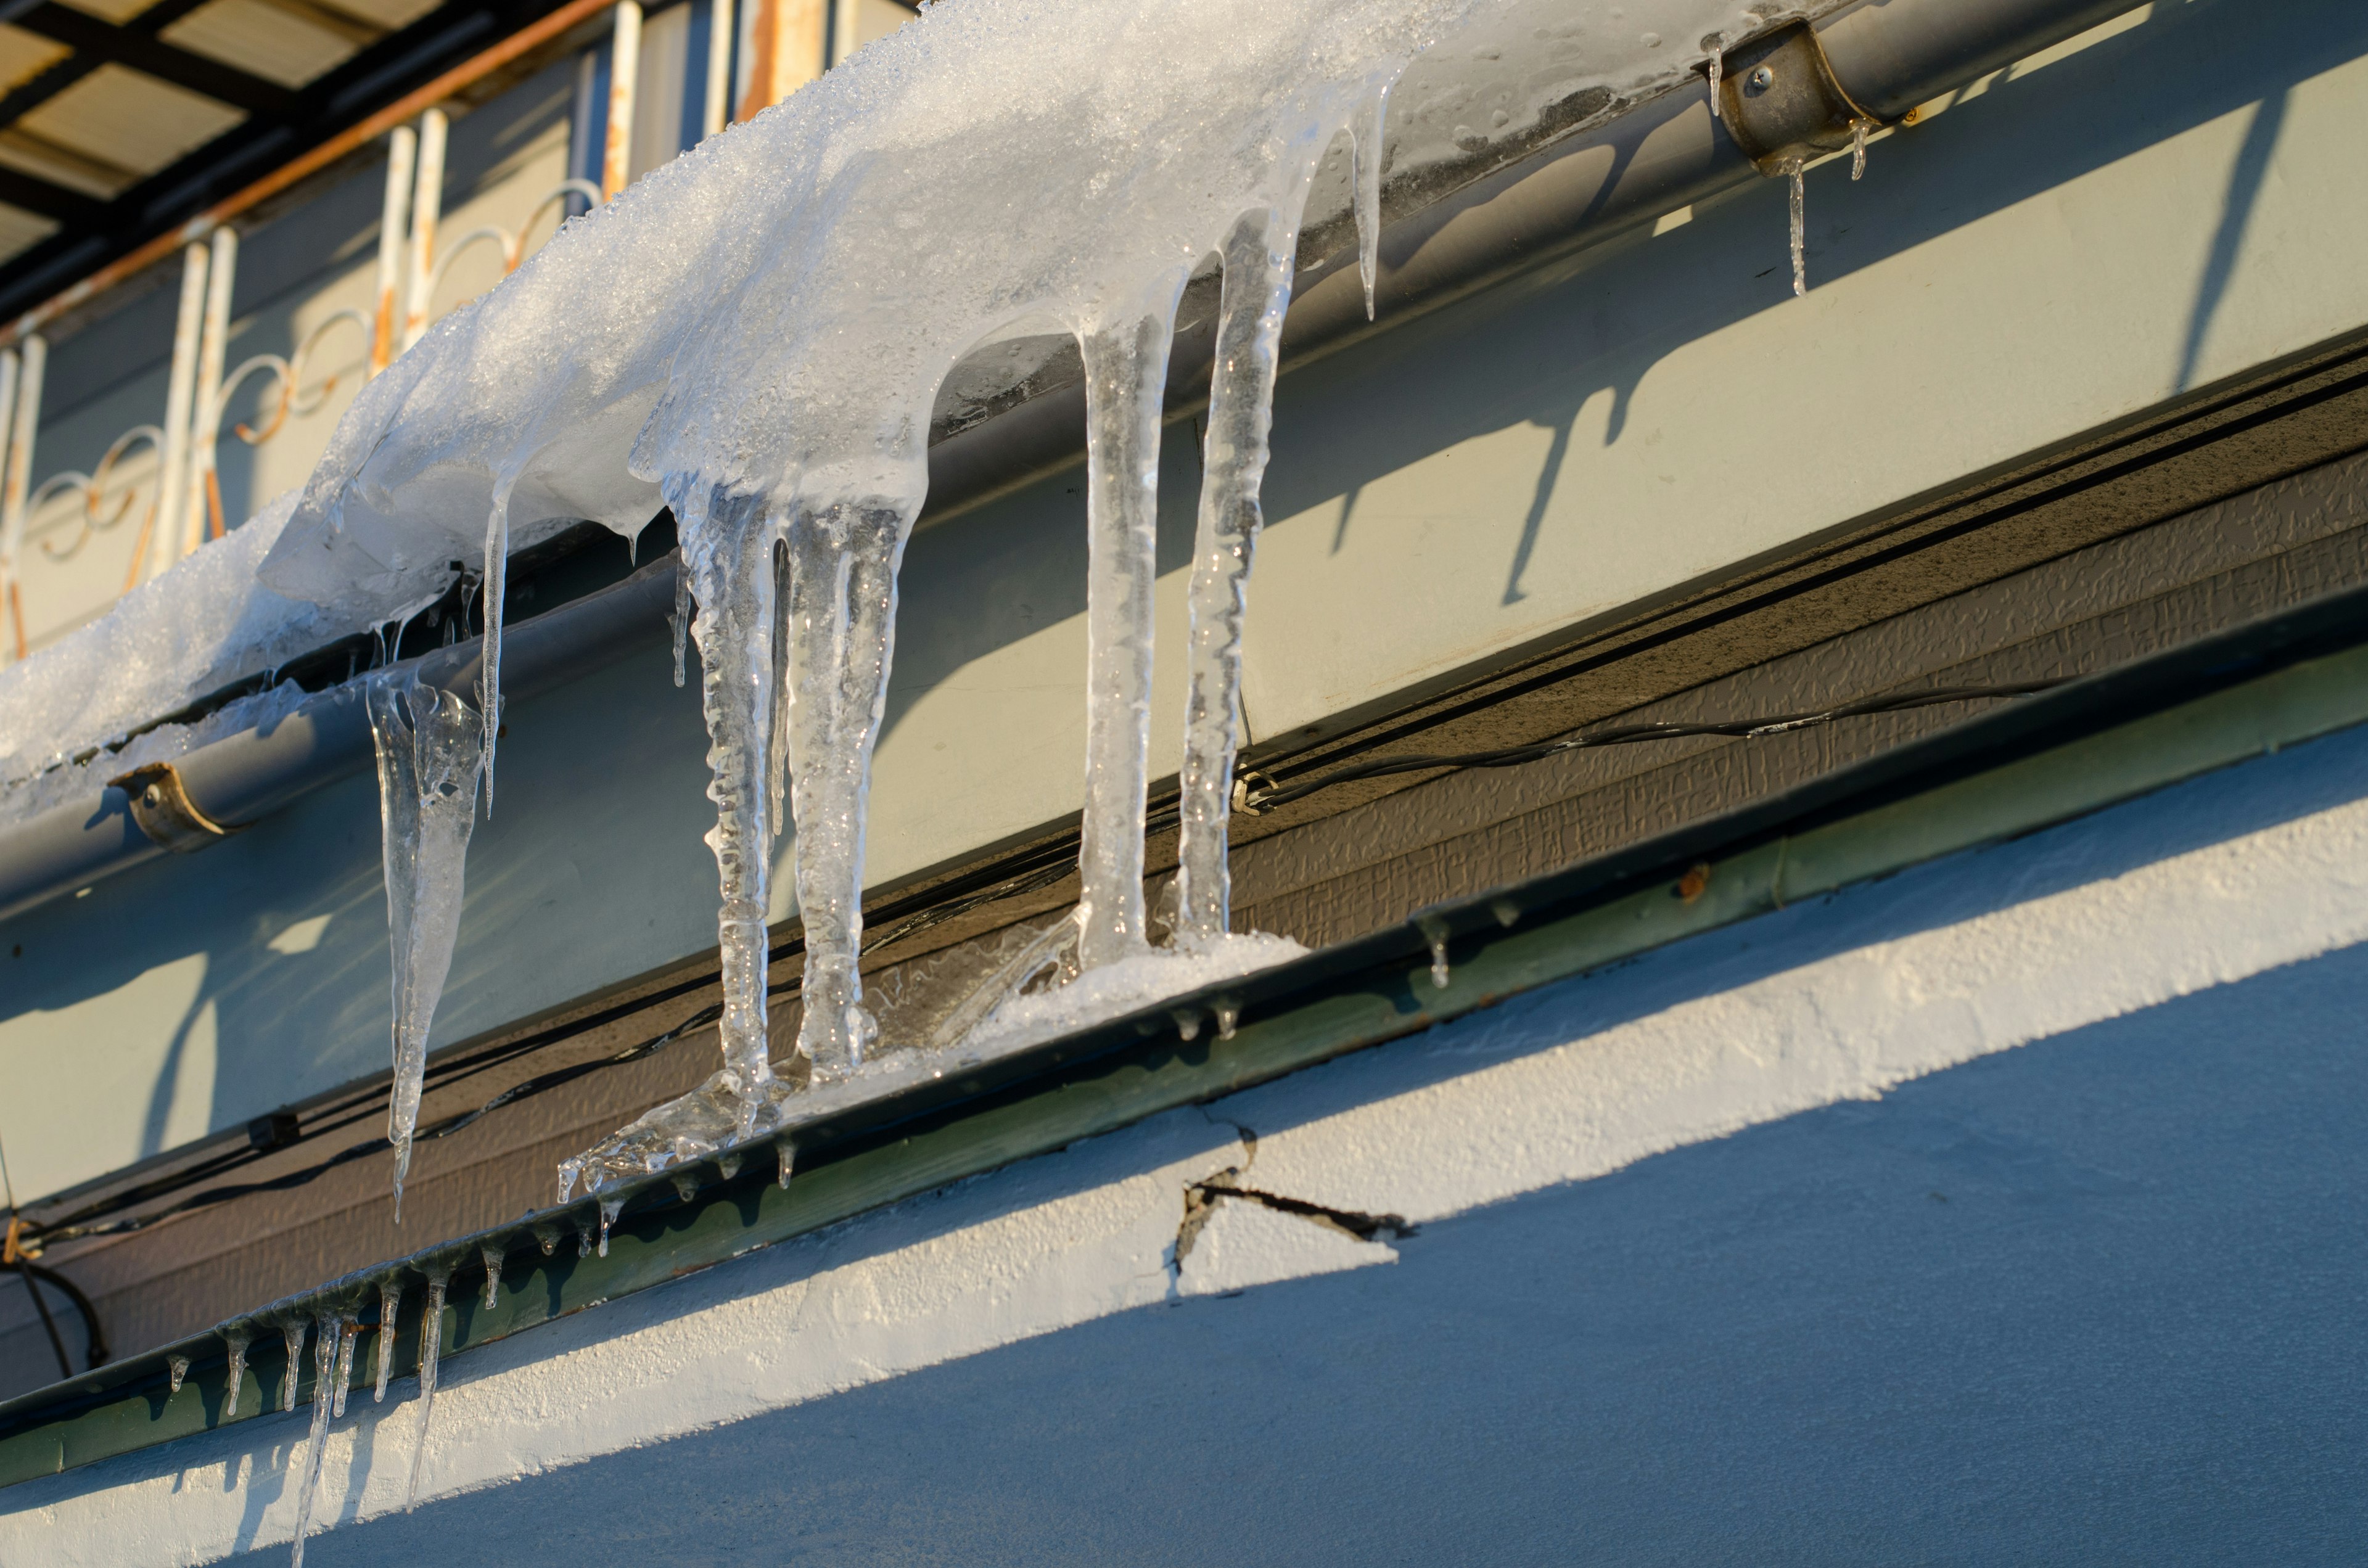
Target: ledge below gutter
(1655,156)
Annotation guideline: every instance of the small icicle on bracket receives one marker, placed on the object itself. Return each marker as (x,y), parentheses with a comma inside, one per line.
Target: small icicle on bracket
(1783,107)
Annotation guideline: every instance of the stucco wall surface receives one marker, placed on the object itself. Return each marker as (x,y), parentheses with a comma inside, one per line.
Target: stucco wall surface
(1970,1212)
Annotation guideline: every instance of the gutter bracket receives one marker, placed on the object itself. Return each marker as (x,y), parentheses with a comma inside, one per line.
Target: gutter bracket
(1781,102)
(160,803)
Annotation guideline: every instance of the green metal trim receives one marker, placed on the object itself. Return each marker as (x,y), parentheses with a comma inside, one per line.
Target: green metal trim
(2087,747)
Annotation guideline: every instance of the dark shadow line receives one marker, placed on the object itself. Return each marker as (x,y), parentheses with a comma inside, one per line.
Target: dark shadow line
(2245,180)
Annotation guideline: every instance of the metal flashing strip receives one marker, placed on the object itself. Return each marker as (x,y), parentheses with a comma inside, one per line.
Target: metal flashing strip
(2082,748)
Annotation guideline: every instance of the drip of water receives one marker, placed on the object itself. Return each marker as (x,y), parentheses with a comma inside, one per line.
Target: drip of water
(1126,380)
(428,744)
(1258,262)
(1857,150)
(493,1256)
(176,1369)
(1438,971)
(389,1308)
(1799,214)
(291,1334)
(583,1234)
(431,1342)
(238,1341)
(327,1343)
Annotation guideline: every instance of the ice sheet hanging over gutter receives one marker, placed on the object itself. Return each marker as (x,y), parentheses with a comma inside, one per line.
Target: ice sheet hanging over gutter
(828,255)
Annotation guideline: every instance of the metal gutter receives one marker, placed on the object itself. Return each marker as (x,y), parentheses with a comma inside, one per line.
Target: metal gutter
(1665,154)
(2047,759)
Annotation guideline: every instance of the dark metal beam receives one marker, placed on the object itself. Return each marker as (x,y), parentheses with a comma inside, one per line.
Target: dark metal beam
(36,194)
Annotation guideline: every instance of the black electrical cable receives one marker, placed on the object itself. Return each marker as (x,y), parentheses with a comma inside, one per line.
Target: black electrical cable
(92,1221)
(1260,801)
(97,1352)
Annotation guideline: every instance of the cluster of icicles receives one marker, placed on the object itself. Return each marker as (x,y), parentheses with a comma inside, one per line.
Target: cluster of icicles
(802,286)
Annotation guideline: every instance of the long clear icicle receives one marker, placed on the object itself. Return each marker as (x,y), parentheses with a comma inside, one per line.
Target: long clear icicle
(1800,228)
(329,1337)
(840,642)
(1258,261)
(728,549)
(431,1340)
(1126,380)
(495,600)
(429,743)
(1368,195)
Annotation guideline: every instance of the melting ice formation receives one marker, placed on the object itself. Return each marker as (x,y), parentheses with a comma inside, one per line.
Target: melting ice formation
(755,335)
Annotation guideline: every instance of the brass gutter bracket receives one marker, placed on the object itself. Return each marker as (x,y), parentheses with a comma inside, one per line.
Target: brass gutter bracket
(160,803)
(1782,104)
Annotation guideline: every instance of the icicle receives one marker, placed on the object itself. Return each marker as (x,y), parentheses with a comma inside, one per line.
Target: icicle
(496,603)
(176,1369)
(841,641)
(682,617)
(1857,150)
(1793,171)
(1257,261)
(1717,69)
(1439,972)
(390,1309)
(728,1166)
(785,1151)
(609,1209)
(431,1340)
(727,552)
(331,1335)
(546,1235)
(1126,382)
(1368,198)
(351,1332)
(1227,1017)
(583,1235)
(238,1340)
(1188,1024)
(428,744)
(291,1334)
(493,1256)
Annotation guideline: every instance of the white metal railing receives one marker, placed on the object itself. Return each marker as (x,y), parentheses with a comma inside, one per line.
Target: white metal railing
(185,505)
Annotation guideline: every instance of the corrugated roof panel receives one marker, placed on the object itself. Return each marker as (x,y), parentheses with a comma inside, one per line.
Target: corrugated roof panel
(280,43)
(21,231)
(388,14)
(38,156)
(24,54)
(129,119)
(115,11)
